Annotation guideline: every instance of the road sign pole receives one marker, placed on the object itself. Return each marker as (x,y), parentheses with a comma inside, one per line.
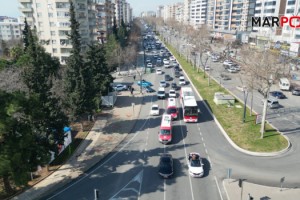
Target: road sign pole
(229,170)
(96,194)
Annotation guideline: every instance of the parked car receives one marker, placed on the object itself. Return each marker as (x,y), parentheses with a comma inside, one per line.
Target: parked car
(163,83)
(158,71)
(165,167)
(148,60)
(149,65)
(277,94)
(120,87)
(225,77)
(207,68)
(272,103)
(232,70)
(154,110)
(195,165)
(227,62)
(149,89)
(158,60)
(296,91)
(144,83)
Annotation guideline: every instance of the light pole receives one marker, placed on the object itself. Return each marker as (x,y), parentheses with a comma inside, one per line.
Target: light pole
(245,91)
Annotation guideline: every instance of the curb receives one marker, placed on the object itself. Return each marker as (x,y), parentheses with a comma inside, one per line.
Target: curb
(226,135)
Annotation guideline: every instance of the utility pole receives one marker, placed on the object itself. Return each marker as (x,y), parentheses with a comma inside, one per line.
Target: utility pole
(245,103)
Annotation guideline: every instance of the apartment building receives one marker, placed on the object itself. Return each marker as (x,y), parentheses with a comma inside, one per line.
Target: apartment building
(179,12)
(51,20)
(102,14)
(198,13)
(160,11)
(10,28)
(262,36)
(123,12)
(186,11)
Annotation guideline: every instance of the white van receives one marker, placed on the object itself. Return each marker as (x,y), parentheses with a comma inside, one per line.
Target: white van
(284,84)
(161,93)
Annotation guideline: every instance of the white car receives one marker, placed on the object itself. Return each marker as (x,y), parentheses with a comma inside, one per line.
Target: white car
(172,58)
(227,62)
(149,65)
(172,93)
(158,71)
(120,87)
(154,110)
(163,84)
(181,80)
(232,70)
(148,60)
(207,68)
(195,165)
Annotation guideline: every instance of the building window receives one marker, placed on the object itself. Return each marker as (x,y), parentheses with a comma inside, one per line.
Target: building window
(269,10)
(54,50)
(50,14)
(53,41)
(291,2)
(289,11)
(52,24)
(52,33)
(40,24)
(16,31)
(39,14)
(272,3)
(16,26)
(38,5)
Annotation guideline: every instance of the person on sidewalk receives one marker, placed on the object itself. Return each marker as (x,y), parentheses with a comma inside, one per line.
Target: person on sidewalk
(134,77)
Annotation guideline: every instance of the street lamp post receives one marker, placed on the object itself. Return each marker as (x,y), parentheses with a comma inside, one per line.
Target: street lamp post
(245,91)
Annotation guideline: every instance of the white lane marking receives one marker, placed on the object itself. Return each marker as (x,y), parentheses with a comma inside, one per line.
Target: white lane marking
(204,145)
(191,186)
(223,182)
(114,155)
(138,178)
(165,189)
(206,151)
(218,187)
(202,139)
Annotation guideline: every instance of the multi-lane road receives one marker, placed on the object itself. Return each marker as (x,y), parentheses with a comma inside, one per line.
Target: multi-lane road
(130,172)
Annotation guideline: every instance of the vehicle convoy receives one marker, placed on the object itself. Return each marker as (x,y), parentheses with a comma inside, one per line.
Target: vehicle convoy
(195,165)
(165,132)
(190,108)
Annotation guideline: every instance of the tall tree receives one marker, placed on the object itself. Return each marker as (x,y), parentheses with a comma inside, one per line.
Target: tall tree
(25,34)
(99,76)
(5,49)
(75,80)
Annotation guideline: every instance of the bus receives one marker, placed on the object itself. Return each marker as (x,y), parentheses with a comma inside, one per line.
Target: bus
(165,132)
(190,108)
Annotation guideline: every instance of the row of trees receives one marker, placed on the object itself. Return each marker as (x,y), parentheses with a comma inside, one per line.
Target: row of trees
(32,119)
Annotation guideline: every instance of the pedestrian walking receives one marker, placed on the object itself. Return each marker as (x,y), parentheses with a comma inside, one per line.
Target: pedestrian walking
(132,91)
(134,77)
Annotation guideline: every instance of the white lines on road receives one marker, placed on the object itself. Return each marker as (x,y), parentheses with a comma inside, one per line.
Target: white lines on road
(191,186)
(165,189)
(218,187)
(106,161)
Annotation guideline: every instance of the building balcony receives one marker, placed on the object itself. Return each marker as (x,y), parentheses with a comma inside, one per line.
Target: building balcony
(23,9)
(25,1)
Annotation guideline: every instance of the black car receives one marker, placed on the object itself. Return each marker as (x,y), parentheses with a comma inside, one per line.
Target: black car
(168,77)
(165,165)
(174,86)
(277,94)
(296,91)
(177,74)
(149,89)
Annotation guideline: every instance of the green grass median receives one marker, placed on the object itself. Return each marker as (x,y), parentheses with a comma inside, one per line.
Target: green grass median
(245,135)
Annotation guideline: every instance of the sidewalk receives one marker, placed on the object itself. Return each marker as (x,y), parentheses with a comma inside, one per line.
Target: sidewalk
(258,192)
(109,130)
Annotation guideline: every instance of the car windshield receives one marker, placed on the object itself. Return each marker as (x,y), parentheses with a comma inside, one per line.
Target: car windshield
(195,163)
(171,110)
(155,108)
(161,92)
(165,132)
(191,111)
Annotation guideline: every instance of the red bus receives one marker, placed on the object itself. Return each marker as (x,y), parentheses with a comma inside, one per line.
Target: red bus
(190,108)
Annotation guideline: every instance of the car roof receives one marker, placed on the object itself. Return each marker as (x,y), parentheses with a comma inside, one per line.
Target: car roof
(154,105)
